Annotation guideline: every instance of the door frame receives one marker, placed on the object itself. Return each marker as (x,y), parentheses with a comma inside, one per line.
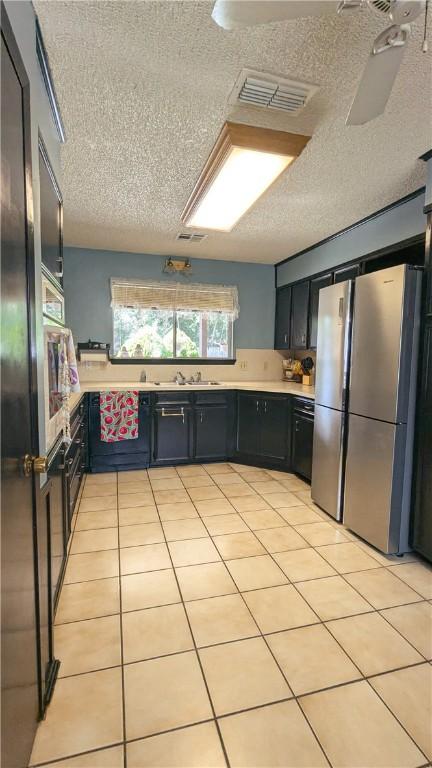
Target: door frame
(18,64)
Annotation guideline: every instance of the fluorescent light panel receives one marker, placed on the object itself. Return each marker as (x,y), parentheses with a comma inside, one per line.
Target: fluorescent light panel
(243,164)
(242,179)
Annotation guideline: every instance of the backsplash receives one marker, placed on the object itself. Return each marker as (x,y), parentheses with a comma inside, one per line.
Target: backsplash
(250,365)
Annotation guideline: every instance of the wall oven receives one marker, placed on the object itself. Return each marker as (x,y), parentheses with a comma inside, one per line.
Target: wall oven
(53,308)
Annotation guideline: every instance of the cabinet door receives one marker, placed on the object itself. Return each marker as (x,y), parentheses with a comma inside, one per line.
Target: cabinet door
(302,445)
(172,434)
(211,431)
(315,287)
(346,273)
(283,318)
(274,428)
(248,424)
(299,315)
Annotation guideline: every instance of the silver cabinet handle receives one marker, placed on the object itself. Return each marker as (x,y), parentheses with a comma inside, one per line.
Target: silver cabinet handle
(201,417)
(257,405)
(180,414)
(286,338)
(265,406)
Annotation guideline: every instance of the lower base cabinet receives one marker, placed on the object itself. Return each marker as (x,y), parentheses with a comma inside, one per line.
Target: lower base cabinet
(126,454)
(302,437)
(211,430)
(263,428)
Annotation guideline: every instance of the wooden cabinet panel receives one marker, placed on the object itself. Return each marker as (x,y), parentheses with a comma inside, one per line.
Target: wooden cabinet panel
(172,434)
(248,424)
(299,315)
(346,273)
(315,287)
(211,432)
(302,445)
(283,318)
(273,442)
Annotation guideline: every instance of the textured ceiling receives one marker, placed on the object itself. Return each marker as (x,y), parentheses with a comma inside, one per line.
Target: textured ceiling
(143,89)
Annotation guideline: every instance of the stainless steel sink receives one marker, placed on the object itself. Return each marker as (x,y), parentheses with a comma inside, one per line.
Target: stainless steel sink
(187,383)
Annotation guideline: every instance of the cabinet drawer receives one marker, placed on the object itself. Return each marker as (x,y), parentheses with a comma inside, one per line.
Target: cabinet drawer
(212,398)
(161,398)
(304,405)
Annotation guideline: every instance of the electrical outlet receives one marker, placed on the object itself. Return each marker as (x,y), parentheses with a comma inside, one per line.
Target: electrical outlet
(265,365)
(243,365)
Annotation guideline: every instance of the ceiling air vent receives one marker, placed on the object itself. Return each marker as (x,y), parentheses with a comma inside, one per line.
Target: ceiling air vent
(267,91)
(191,237)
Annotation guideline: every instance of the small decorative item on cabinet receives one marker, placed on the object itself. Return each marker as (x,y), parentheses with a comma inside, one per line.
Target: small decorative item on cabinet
(297,370)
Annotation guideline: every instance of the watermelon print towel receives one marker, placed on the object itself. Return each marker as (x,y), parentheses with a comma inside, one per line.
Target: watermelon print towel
(118,416)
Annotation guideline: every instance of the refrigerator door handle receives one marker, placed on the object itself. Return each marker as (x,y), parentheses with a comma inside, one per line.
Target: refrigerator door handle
(341,308)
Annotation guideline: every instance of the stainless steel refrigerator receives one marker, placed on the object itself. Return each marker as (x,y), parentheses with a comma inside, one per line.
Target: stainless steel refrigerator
(331,391)
(366,476)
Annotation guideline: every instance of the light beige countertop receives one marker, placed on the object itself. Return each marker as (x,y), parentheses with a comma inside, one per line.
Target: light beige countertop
(273,387)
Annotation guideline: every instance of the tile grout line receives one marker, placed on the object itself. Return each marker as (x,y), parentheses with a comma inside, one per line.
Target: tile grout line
(347,654)
(197,656)
(121,637)
(320,621)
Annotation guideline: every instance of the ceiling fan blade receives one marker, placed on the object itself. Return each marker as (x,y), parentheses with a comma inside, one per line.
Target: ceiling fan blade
(233,14)
(376,84)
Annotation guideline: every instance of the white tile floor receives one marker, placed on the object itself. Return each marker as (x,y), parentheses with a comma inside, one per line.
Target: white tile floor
(213,615)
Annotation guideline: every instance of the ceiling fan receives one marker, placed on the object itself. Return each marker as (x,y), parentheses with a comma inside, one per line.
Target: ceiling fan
(387,51)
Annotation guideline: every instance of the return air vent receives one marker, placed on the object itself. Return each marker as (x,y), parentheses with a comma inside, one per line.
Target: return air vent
(263,90)
(191,237)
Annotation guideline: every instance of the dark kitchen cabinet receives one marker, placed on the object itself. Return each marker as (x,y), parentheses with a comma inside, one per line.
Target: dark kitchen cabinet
(248,424)
(125,454)
(299,315)
(347,273)
(172,433)
(211,432)
(263,427)
(273,413)
(315,287)
(283,318)
(302,437)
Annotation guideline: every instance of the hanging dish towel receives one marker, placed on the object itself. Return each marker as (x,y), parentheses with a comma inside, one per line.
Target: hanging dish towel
(118,416)
(63,373)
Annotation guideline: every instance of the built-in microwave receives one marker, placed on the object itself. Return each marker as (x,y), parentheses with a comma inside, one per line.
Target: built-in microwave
(52,303)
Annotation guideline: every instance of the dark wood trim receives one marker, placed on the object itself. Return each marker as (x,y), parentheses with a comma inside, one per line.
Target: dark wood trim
(49,83)
(359,223)
(172,360)
(426,156)
(15,55)
(416,240)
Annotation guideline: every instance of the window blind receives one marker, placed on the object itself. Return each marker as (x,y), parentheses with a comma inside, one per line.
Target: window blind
(151,294)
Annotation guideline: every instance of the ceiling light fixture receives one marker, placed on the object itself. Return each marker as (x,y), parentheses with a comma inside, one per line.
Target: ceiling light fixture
(174,266)
(243,164)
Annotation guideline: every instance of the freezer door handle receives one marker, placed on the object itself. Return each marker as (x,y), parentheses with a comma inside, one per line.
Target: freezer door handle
(341,308)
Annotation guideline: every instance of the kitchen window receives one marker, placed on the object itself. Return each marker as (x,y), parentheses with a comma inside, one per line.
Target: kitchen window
(168,320)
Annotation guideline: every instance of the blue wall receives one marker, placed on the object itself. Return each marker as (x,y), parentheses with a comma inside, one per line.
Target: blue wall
(393,226)
(87,291)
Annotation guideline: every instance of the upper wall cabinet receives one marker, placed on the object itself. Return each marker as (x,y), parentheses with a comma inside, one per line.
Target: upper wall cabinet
(51,219)
(315,287)
(299,315)
(347,273)
(283,318)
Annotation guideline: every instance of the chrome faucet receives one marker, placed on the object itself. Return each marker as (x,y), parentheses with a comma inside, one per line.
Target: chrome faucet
(143,377)
(198,377)
(179,378)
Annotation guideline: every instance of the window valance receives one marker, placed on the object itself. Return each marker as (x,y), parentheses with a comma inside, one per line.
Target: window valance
(152,294)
